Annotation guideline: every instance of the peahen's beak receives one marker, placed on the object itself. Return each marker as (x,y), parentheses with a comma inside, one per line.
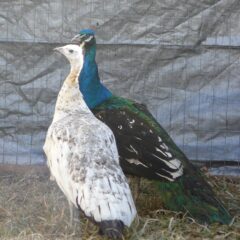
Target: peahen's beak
(59,49)
(78,38)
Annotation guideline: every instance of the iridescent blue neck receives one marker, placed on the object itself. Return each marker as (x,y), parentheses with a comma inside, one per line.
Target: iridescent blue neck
(94,92)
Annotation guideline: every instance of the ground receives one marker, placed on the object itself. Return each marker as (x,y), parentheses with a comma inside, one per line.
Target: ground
(33,207)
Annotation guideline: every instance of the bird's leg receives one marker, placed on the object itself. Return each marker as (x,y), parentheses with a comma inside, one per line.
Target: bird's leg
(71,212)
(74,214)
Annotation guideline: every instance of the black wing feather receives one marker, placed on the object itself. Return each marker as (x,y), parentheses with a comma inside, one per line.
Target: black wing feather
(142,151)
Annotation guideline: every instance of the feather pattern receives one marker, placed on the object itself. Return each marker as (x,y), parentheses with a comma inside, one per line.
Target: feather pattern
(141,149)
(83,158)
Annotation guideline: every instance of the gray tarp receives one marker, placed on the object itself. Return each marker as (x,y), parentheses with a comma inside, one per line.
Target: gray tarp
(179,57)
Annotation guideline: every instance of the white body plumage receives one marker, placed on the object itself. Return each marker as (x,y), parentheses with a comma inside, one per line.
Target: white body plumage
(82,154)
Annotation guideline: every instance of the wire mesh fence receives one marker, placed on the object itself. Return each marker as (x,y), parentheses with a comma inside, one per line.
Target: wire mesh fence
(180,58)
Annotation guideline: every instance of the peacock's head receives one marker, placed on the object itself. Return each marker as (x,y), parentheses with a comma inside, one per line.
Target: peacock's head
(86,37)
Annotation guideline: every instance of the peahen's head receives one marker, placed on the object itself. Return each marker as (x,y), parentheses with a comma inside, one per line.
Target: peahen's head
(86,36)
(73,53)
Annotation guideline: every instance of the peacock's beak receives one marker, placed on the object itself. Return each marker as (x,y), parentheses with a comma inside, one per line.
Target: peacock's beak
(78,38)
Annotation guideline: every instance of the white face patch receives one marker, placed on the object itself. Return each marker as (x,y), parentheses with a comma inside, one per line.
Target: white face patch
(88,39)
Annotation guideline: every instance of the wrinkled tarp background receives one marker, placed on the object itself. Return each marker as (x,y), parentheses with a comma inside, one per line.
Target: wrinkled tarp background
(179,57)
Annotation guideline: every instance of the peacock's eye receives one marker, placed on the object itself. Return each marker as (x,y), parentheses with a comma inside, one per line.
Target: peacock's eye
(71,51)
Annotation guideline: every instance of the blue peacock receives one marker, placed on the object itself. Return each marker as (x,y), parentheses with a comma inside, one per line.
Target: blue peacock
(145,148)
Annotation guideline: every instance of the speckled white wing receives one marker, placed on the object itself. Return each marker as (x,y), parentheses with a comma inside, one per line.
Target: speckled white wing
(83,159)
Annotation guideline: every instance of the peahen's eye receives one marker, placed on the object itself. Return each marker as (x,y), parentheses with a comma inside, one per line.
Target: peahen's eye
(70,50)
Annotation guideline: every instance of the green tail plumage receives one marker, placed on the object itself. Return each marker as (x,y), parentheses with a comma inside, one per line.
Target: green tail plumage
(193,195)
(190,193)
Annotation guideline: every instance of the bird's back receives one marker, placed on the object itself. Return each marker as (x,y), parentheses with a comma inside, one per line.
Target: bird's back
(83,159)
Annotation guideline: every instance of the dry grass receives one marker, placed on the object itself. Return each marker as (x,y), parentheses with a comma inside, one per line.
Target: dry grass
(32,207)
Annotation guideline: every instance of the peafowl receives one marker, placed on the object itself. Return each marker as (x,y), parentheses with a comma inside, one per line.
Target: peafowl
(83,158)
(145,148)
